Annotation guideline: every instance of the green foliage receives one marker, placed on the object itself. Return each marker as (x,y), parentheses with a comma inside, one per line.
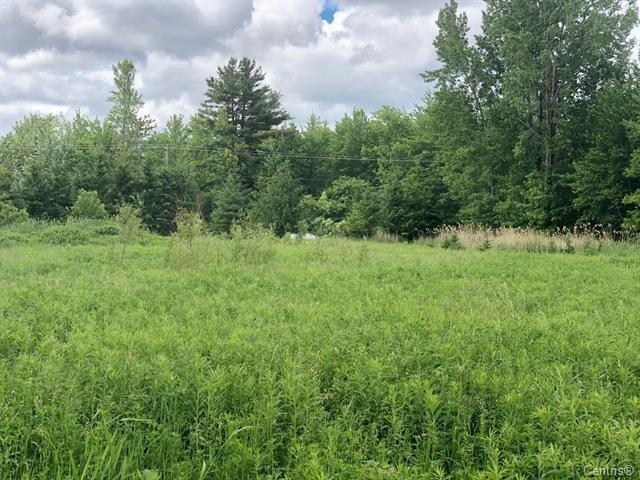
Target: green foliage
(349,142)
(452,242)
(129,221)
(147,474)
(360,221)
(72,232)
(130,126)
(316,147)
(250,107)
(35,154)
(568,246)
(277,197)
(508,137)
(163,195)
(9,214)
(189,225)
(334,358)
(186,251)
(88,205)
(519,108)
(309,215)
(252,243)
(485,245)
(228,203)
(632,172)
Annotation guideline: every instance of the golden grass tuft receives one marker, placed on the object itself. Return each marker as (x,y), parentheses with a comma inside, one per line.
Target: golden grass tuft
(585,238)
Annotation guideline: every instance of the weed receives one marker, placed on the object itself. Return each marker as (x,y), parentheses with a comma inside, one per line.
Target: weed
(342,359)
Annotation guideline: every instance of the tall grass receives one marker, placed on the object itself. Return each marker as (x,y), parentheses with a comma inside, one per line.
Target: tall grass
(585,238)
(331,359)
(589,239)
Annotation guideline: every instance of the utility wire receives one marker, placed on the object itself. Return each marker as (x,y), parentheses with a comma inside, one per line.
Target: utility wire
(258,153)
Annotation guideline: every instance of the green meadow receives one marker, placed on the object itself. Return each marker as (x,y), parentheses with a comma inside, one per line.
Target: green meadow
(264,358)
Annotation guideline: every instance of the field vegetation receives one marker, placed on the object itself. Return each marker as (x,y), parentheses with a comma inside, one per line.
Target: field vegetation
(251,356)
(147,332)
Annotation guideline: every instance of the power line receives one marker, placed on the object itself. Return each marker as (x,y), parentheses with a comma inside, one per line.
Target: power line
(258,153)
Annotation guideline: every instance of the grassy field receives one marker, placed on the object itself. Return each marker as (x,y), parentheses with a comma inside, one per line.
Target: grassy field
(326,359)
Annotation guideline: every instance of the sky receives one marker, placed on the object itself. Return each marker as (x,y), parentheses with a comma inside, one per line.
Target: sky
(324,56)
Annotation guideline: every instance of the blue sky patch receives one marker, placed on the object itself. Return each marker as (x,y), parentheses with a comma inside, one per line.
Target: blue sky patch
(328,11)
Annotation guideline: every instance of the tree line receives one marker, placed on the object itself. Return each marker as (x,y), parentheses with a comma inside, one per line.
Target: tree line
(534,123)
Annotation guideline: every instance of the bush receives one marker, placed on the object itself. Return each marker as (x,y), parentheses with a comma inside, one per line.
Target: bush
(452,242)
(88,205)
(568,246)
(129,221)
(9,214)
(359,222)
(252,243)
(485,245)
(189,226)
(184,250)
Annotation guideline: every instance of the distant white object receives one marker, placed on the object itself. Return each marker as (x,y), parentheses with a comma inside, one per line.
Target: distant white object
(306,236)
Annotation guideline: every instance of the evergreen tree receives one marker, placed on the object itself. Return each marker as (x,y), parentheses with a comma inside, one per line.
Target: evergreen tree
(239,111)
(315,165)
(277,197)
(228,203)
(162,199)
(251,108)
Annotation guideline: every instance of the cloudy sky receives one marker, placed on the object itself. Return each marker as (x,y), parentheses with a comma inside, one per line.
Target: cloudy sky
(325,56)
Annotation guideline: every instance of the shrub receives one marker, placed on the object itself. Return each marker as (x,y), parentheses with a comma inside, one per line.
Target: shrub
(129,221)
(568,246)
(485,245)
(189,226)
(183,250)
(252,243)
(452,242)
(359,221)
(88,205)
(9,214)
(251,231)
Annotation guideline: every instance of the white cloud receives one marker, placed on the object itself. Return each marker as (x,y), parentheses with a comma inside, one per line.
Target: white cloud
(361,59)
(34,59)
(162,110)
(34,107)
(58,53)
(277,23)
(12,112)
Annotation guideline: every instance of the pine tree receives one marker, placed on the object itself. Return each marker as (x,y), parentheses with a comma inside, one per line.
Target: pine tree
(251,108)
(317,138)
(228,203)
(277,198)
(161,199)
